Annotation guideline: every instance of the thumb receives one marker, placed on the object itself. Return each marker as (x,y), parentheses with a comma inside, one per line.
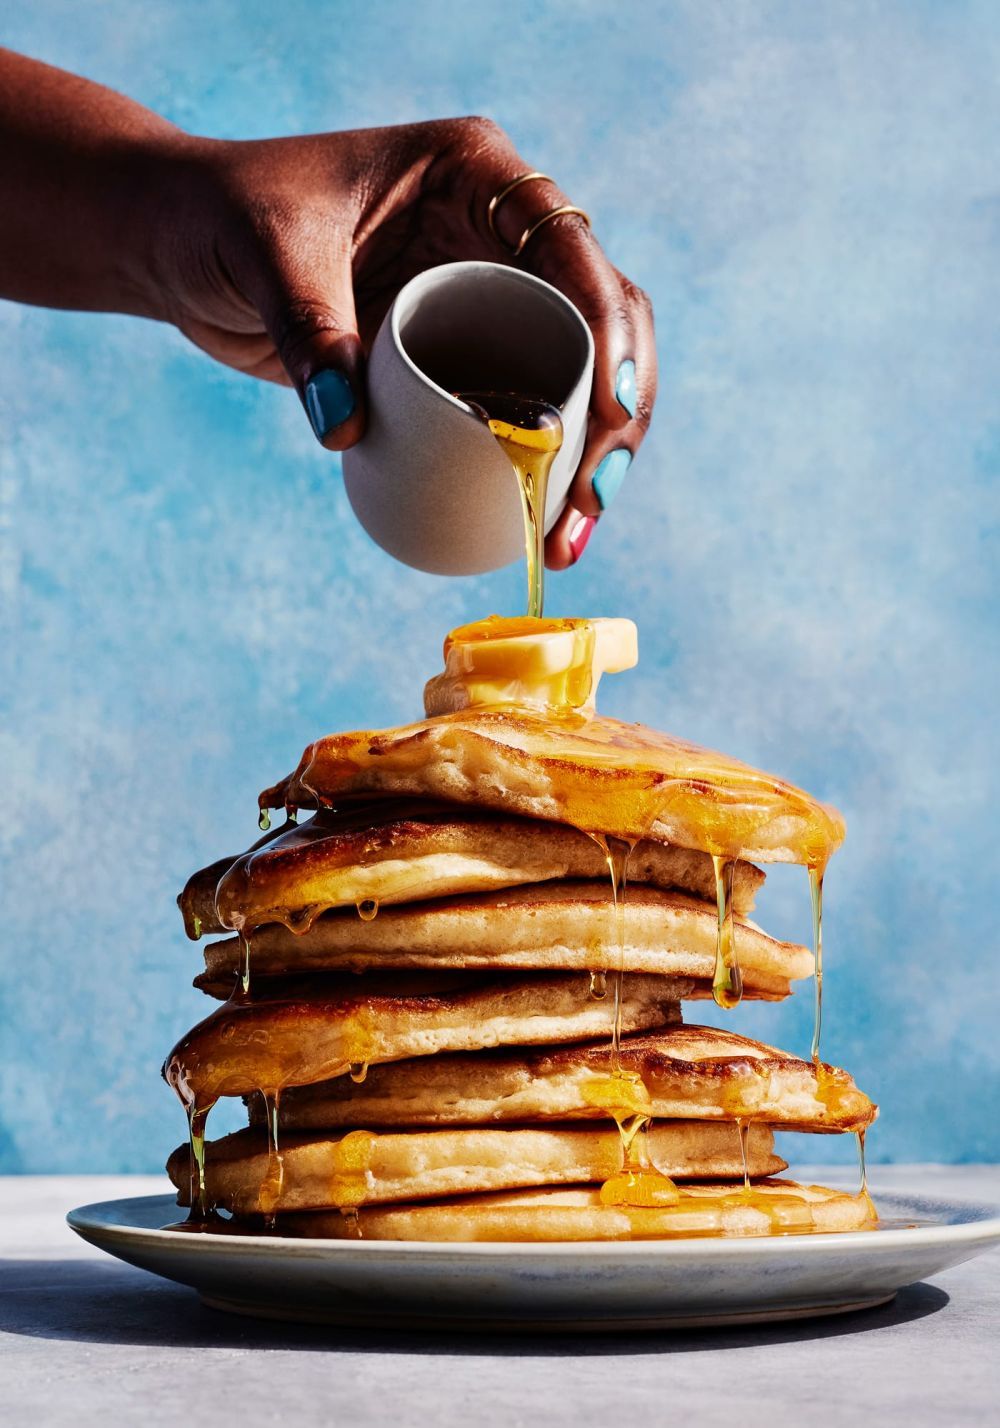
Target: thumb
(308,309)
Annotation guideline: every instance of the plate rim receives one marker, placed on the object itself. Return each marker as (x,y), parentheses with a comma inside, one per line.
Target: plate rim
(983,1226)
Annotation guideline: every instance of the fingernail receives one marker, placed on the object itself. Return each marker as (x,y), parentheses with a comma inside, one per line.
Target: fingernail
(580,534)
(609,476)
(329,401)
(625,386)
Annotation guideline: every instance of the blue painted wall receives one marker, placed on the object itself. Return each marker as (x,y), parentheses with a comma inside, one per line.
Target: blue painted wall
(809,540)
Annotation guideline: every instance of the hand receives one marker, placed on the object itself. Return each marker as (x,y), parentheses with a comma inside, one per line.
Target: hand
(280,258)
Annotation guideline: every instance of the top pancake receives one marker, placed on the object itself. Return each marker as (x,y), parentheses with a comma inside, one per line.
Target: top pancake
(598,774)
(406,850)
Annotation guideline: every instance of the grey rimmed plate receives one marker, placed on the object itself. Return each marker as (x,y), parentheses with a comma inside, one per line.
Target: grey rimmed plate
(649,1284)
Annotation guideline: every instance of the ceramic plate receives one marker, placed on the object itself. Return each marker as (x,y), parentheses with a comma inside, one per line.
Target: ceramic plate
(599,1286)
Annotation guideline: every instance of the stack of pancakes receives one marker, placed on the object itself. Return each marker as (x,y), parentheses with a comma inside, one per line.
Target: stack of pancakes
(422,979)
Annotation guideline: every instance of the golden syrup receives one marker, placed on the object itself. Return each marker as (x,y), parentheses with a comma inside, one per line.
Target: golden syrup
(863,1194)
(300,920)
(624,1093)
(530,433)
(264,820)
(840,1099)
(860,1138)
(358,1042)
(195,926)
(783,1210)
(638,1184)
(246,1046)
(352,1161)
(598,985)
(816,900)
(197,1118)
(727,981)
(743,1126)
(353,1222)
(599,774)
(291,814)
(367,908)
(617,853)
(274,1177)
(244,980)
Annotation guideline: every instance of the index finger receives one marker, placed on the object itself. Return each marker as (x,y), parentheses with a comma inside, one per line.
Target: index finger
(565,252)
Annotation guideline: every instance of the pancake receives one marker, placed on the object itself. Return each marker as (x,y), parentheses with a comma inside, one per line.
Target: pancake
(689,1072)
(363,1168)
(270,1044)
(405,850)
(774,1207)
(599,774)
(555,926)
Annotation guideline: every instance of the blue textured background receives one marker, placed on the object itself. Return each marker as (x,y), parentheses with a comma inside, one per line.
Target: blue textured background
(808,541)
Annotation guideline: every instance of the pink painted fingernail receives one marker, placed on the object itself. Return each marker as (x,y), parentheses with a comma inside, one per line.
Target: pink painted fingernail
(579,535)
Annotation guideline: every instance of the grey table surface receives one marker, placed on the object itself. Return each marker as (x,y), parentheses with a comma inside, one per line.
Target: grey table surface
(85,1339)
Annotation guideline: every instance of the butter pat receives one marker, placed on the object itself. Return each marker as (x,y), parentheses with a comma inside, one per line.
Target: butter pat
(551,665)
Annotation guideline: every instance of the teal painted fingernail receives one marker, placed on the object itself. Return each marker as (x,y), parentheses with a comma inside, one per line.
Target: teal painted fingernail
(609,476)
(329,401)
(625,386)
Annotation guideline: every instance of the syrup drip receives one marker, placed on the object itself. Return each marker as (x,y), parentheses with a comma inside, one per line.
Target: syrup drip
(617,852)
(367,908)
(274,1178)
(623,1092)
(638,1184)
(598,985)
(743,1126)
(196,926)
(816,898)
(863,1191)
(264,820)
(197,1118)
(358,1071)
(727,982)
(859,1136)
(353,1222)
(244,941)
(530,433)
(292,813)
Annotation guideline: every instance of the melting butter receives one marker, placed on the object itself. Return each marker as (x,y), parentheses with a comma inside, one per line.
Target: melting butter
(553,666)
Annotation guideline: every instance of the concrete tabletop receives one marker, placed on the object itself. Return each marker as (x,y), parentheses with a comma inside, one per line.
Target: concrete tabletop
(85,1339)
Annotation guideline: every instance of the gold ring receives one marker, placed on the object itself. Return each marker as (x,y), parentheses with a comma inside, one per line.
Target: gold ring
(566,209)
(499,197)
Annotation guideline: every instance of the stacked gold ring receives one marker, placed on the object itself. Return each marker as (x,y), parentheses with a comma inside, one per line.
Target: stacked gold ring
(560,212)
